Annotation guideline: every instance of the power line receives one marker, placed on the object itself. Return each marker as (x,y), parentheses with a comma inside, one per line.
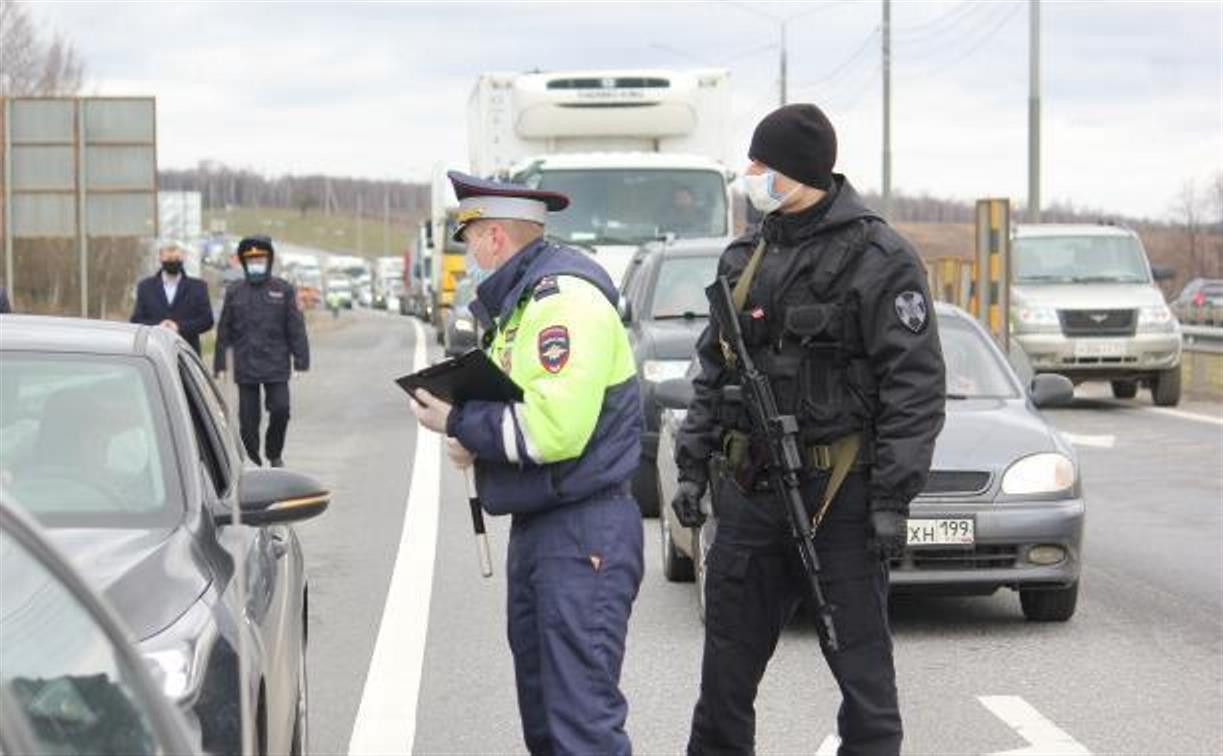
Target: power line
(836,71)
(927,27)
(967,26)
(980,42)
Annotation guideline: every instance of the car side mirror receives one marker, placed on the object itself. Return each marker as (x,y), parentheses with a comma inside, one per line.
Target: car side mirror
(1162,272)
(674,393)
(1050,390)
(626,310)
(276,495)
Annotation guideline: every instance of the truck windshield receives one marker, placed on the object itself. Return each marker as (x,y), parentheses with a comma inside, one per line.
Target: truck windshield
(1079,259)
(631,206)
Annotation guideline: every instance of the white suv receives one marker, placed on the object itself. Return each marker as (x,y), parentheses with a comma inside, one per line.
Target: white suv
(1084,304)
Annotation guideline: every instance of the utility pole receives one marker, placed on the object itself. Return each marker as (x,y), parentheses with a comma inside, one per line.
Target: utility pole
(886,192)
(1034,113)
(782,76)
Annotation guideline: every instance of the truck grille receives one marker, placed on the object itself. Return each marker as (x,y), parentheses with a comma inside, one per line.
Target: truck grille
(976,558)
(1097,322)
(956,482)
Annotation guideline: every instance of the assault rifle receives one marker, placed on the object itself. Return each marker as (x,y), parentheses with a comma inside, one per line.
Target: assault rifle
(780,432)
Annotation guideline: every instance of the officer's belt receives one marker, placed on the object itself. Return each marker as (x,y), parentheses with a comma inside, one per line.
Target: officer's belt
(838,459)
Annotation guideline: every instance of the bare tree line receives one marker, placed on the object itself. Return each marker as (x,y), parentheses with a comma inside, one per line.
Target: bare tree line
(31,65)
(221,186)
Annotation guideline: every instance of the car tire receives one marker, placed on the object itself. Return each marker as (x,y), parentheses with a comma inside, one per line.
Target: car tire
(1166,388)
(1050,605)
(1125,389)
(676,567)
(301,742)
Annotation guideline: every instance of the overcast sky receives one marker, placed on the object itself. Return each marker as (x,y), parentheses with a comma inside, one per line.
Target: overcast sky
(1132,91)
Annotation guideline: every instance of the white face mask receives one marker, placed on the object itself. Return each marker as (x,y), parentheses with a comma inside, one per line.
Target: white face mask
(761,194)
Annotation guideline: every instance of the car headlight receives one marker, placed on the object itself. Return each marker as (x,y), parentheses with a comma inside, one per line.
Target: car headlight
(461,324)
(178,656)
(1043,473)
(657,371)
(1037,317)
(1156,318)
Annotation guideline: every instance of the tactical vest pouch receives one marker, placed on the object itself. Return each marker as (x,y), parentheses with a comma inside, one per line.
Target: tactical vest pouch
(816,325)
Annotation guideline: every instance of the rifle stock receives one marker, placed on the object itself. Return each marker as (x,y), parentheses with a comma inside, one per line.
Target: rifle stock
(780,432)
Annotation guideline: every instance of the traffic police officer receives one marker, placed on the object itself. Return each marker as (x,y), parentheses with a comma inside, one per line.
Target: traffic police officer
(837,314)
(260,320)
(560,462)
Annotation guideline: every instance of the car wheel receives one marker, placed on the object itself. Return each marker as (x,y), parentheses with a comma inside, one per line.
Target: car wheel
(300,746)
(676,567)
(1166,389)
(1125,389)
(1055,605)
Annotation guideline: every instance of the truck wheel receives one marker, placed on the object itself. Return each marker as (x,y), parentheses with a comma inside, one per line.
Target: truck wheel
(1166,388)
(1125,389)
(1055,605)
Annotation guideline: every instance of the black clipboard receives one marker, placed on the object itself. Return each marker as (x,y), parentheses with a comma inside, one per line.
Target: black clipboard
(471,376)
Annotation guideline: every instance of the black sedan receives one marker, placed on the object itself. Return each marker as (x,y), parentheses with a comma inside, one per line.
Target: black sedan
(70,680)
(116,440)
(664,309)
(1003,506)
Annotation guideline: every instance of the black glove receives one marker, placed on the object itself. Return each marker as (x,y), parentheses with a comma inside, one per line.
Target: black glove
(687,504)
(889,526)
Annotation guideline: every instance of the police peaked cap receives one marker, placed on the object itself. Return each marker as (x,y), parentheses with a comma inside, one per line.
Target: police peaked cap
(482,199)
(258,241)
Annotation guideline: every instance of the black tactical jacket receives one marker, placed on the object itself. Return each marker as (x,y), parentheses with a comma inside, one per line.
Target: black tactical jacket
(840,318)
(263,326)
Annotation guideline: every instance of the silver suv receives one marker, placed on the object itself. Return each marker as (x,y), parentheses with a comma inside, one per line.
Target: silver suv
(1084,304)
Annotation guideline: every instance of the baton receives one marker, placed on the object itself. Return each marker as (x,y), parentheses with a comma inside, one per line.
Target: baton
(477,522)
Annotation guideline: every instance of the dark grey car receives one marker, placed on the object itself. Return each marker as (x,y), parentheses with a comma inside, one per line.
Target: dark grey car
(1003,506)
(664,309)
(114,437)
(461,332)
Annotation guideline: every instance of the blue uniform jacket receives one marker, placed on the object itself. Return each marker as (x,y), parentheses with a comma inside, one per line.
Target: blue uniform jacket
(614,449)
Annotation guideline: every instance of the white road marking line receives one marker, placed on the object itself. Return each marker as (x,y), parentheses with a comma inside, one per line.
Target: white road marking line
(1183,415)
(386,718)
(1083,439)
(829,746)
(1043,736)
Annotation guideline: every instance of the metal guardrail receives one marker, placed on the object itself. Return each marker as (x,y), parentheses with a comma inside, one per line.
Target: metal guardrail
(1207,339)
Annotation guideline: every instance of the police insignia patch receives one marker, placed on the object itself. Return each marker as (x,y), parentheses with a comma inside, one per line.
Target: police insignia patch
(911,309)
(554,348)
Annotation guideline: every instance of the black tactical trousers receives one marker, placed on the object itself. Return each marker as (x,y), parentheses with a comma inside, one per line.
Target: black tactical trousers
(276,400)
(754,585)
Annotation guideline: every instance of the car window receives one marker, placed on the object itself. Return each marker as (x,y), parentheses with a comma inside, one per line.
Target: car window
(86,436)
(62,670)
(974,370)
(680,287)
(217,406)
(207,434)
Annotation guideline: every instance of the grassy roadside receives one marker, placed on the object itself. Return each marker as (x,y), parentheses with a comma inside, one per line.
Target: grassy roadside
(343,233)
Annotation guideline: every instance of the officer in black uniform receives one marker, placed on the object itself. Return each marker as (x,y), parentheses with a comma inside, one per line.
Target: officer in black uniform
(260,321)
(837,314)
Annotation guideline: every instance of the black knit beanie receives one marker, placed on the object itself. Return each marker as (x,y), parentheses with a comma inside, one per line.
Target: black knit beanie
(799,141)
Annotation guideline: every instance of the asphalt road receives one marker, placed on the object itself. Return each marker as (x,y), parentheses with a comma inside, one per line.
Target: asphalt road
(1139,669)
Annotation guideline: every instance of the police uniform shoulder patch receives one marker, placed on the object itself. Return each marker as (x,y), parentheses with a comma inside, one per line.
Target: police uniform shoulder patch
(912,311)
(546,287)
(554,348)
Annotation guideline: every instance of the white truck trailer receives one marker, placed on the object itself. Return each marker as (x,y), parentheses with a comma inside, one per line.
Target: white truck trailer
(640,153)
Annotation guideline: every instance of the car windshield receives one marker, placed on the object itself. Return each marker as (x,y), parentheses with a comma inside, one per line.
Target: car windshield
(1079,259)
(84,437)
(635,206)
(680,289)
(974,369)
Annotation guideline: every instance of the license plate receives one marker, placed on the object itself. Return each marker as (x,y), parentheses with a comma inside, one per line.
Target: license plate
(944,531)
(1099,348)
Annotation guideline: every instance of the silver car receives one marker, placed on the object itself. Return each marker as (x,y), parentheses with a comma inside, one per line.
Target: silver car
(1003,506)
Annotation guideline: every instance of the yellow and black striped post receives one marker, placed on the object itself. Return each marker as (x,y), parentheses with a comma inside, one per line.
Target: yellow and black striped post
(991,296)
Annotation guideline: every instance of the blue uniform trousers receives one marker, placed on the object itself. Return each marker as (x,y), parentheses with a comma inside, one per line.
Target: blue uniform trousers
(573,572)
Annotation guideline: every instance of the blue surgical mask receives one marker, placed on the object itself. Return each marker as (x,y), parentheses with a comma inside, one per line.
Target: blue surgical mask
(762,192)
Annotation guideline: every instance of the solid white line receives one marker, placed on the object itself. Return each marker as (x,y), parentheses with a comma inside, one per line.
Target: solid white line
(1082,439)
(1043,736)
(1183,415)
(829,746)
(386,719)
